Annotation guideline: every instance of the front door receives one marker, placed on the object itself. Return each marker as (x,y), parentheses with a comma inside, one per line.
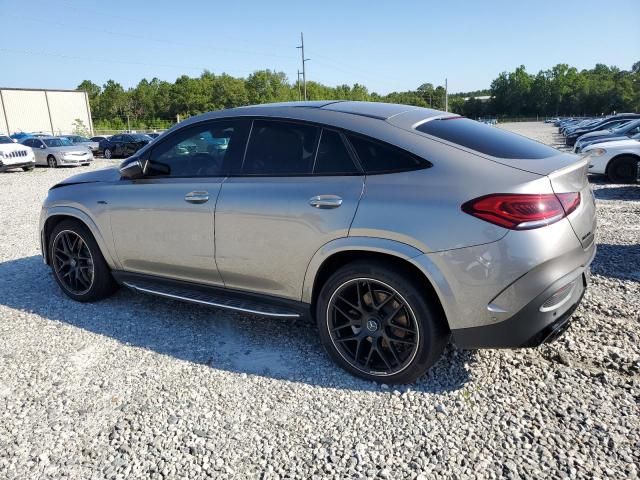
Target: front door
(297,190)
(163,224)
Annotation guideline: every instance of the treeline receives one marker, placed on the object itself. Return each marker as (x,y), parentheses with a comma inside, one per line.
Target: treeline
(562,90)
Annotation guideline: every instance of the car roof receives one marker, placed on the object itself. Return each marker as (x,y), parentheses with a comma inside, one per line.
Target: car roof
(350,115)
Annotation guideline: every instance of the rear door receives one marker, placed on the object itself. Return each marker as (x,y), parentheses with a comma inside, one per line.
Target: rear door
(297,189)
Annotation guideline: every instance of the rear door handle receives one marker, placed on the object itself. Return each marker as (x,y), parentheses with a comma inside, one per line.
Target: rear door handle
(325,201)
(197,197)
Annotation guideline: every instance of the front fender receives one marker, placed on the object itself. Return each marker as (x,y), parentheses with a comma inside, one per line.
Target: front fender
(49,212)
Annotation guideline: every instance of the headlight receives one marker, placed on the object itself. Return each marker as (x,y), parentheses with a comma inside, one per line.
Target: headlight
(597,152)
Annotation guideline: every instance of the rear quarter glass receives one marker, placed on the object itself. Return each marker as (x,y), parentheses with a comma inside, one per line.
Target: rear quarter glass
(485,139)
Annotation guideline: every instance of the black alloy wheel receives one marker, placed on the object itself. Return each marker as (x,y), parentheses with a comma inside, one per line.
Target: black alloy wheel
(72,262)
(373,326)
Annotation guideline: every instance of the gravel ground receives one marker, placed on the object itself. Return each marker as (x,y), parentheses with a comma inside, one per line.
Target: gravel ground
(140,387)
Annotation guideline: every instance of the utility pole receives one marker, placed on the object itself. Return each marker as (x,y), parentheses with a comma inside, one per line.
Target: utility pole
(299,86)
(446,95)
(304,70)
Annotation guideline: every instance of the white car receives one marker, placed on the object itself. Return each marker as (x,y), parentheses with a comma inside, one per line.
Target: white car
(58,152)
(618,160)
(14,155)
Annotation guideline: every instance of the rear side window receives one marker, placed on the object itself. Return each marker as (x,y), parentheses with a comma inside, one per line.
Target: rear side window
(377,157)
(280,149)
(485,139)
(333,157)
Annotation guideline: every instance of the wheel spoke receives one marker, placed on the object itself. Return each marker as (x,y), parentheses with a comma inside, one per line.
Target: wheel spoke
(374,319)
(373,298)
(400,340)
(345,314)
(390,297)
(400,327)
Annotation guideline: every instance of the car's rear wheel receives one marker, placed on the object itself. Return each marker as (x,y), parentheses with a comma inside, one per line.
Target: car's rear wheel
(377,324)
(623,169)
(108,154)
(52,162)
(77,263)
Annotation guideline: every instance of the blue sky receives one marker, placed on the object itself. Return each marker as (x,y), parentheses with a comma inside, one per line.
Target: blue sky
(384,45)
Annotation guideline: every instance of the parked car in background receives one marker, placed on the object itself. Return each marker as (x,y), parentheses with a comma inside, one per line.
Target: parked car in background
(99,138)
(15,155)
(58,152)
(19,136)
(611,122)
(463,230)
(619,160)
(83,141)
(627,130)
(123,145)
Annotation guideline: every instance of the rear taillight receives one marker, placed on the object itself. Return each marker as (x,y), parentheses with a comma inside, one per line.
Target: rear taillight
(522,211)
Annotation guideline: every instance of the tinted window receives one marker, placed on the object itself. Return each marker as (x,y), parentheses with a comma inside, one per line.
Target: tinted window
(57,142)
(116,138)
(28,142)
(377,157)
(485,139)
(4,139)
(333,157)
(280,148)
(205,150)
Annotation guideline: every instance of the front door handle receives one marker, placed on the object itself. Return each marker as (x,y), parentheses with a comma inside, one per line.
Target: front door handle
(325,201)
(197,197)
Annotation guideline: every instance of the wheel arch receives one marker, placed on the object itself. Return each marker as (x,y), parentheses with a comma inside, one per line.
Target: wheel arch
(59,214)
(619,155)
(340,252)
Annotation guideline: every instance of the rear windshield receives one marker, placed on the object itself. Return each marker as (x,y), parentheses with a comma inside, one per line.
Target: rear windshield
(485,139)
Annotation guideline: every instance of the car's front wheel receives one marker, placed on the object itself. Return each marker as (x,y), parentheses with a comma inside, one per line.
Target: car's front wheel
(108,154)
(52,162)
(623,169)
(77,263)
(377,324)
(28,169)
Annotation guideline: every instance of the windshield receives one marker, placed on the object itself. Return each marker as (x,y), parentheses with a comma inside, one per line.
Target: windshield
(57,142)
(77,138)
(141,138)
(4,139)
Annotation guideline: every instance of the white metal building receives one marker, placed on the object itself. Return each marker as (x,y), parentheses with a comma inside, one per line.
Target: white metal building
(50,111)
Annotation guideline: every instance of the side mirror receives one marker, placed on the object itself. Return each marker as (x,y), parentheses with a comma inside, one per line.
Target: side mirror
(42,146)
(132,170)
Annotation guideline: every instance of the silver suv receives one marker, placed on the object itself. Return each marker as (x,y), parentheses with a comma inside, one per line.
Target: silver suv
(397,228)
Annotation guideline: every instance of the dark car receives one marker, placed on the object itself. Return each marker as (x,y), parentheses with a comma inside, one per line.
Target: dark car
(628,129)
(123,145)
(608,123)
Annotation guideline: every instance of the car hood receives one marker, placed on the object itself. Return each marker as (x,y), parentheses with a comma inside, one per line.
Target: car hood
(109,174)
(13,147)
(68,149)
(629,142)
(597,133)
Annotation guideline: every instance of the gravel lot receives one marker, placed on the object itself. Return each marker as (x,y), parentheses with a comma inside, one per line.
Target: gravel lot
(140,387)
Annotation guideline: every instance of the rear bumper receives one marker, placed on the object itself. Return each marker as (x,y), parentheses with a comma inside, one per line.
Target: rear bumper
(531,326)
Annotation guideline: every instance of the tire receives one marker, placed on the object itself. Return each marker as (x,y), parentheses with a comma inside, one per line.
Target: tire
(623,169)
(411,340)
(28,169)
(108,154)
(74,278)
(52,162)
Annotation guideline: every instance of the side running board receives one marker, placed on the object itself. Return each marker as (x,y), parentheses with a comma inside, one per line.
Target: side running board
(214,297)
